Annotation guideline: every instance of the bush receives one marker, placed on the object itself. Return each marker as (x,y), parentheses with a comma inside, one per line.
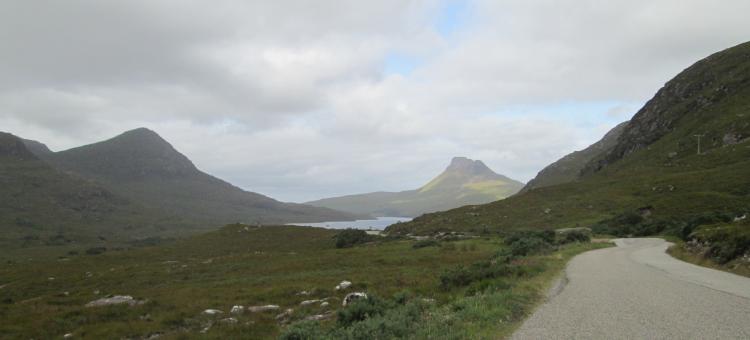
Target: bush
(350,237)
(95,250)
(362,309)
(462,276)
(303,330)
(528,246)
(544,235)
(425,243)
(575,236)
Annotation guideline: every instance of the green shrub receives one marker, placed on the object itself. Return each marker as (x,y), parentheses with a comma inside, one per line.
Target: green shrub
(425,243)
(95,250)
(544,235)
(362,309)
(350,237)
(528,246)
(575,236)
(303,330)
(462,276)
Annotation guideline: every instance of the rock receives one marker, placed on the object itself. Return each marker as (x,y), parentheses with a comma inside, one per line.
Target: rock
(308,302)
(343,285)
(319,317)
(324,304)
(68,335)
(237,309)
(115,300)
(212,312)
(731,138)
(228,320)
(547,210)
(284,317)
(351,297)
(303,293)
(259,309)
(740,218)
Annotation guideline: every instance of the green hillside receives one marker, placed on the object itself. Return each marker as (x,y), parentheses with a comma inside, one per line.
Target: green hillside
(42,206)
(654,164)
(143,167)
(463,182)
(568,168)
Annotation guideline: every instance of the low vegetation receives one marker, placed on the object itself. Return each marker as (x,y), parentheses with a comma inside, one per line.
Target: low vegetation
(448,288)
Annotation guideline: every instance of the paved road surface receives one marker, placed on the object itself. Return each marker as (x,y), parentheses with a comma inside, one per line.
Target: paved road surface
(637,291)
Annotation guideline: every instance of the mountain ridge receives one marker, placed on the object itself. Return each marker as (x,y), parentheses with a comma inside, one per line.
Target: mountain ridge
(464,181)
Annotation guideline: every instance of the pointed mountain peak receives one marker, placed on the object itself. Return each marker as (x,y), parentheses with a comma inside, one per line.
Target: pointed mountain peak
(13,147)
(132,154)
(468,166)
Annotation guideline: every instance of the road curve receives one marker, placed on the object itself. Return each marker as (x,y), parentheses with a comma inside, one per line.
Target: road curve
(637,291)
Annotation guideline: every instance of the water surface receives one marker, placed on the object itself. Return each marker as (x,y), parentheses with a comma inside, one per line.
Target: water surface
(379,223)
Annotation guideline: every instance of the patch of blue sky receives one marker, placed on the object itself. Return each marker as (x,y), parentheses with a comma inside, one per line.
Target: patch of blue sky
(590,113)
(399,63)
(453,15)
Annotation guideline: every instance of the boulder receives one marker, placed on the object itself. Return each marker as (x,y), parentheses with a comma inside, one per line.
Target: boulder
(238,309)
(115,300)
(308,302)
(343,285)
(212,312)
(260,309)
(319,317)
(284,317)
(351,297)
(324,304)
(228,320)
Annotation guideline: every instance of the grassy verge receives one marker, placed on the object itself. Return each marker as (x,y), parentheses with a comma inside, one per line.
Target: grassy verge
(679,251)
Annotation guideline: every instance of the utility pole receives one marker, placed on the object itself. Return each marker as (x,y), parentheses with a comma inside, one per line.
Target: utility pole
(699,142)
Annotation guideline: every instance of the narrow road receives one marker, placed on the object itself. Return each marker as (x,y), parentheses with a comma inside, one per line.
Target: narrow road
(637,291)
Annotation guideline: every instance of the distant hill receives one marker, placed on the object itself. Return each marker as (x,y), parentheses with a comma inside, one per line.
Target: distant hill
(686,152)
(568,168)
(142,167)
(464,182)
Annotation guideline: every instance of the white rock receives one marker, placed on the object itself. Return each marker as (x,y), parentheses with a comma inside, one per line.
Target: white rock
(229,320)
(308,302)
(324,304)
(68,335)
(258,309)
(238,309)
(115,300)
(351,297)
(343,285)
(212,312)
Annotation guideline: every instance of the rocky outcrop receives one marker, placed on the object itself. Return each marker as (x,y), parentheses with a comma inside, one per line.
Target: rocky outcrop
(695,89)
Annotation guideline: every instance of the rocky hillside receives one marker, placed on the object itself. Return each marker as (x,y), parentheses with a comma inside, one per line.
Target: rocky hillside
(464,182)
(568,168)
(656,162)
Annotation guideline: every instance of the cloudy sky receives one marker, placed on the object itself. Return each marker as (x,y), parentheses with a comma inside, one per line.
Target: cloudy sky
(307,99)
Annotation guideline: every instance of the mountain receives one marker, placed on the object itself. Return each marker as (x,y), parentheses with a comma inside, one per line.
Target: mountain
(685,153)
(568,168)
(464,182)
(142,167)
(41,205)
